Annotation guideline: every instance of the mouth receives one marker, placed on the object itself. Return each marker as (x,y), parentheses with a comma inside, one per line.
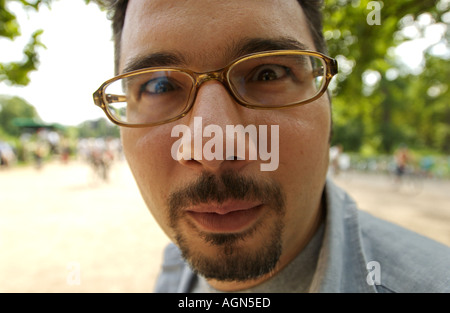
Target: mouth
(231,217)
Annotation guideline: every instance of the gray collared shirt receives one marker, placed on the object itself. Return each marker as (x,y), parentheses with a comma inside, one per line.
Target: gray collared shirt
(359,253)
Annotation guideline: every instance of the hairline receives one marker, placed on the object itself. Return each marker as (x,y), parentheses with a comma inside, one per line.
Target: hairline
(118,9)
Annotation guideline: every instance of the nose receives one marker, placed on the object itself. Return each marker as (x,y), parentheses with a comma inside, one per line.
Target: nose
(218,138)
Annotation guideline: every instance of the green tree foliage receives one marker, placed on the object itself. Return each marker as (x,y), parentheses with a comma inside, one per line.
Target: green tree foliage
(406,107)
(98,128)
(16,73)
(12,109)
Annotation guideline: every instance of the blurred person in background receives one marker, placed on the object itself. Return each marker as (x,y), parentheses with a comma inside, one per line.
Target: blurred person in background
(7,155)
(402,160)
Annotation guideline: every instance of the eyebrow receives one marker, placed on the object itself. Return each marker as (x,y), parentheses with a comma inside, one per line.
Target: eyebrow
(158,59)
(234,51)
(254,45)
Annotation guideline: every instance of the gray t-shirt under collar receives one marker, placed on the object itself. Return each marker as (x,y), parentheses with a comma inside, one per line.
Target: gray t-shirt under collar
(295,277)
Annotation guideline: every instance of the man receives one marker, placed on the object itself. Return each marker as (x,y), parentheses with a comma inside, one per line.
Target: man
(192,72)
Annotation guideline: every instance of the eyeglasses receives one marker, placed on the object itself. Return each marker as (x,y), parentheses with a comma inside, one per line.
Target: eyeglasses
(265,80)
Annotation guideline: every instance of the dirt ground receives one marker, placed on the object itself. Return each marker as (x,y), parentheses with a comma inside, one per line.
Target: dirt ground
(63,230)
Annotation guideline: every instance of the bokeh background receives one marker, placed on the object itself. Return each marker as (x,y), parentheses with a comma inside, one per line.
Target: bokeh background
(71,217)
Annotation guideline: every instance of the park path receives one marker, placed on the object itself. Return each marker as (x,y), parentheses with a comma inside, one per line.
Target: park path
(424,209)
(62,230)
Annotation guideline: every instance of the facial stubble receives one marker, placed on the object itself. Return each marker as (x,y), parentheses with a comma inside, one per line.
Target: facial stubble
(236,256)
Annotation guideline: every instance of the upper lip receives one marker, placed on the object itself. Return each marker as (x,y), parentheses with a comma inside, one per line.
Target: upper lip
(223,208)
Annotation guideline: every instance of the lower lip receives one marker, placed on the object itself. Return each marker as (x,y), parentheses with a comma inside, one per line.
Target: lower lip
(231,222)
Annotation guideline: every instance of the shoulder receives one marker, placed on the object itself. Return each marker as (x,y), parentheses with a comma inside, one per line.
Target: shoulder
(408,261)
(175,274)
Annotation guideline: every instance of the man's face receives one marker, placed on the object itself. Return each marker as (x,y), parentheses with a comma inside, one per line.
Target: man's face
(232,221)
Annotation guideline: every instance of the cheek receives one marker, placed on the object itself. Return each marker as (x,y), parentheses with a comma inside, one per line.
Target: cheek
(304,147)
(148,154)
(145,149)
(305,134)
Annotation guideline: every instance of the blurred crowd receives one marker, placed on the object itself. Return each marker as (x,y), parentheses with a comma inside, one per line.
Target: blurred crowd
(100,153)
(402,162)
(47,145)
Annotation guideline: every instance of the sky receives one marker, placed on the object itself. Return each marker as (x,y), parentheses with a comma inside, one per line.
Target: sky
(78,58)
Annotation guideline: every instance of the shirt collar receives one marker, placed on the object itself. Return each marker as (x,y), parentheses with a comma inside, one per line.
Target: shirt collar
(342,265)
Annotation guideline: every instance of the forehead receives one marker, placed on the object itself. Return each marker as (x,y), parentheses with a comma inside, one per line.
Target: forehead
(206,32)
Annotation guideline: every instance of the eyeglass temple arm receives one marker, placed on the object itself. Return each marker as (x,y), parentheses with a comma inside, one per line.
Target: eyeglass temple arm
(111,98)
(115,98)
(332,68)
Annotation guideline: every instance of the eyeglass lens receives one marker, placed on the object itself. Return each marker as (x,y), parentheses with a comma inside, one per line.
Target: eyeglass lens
(267,81)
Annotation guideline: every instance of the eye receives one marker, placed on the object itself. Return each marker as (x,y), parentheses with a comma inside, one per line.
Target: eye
(269,72)
(158,86)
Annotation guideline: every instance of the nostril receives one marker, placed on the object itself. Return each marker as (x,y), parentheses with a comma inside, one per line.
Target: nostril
(234,158)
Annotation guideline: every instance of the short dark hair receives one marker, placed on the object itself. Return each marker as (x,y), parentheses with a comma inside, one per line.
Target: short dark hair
(312,9)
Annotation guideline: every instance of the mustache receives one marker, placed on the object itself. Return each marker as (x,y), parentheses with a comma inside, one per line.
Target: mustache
(209,187)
